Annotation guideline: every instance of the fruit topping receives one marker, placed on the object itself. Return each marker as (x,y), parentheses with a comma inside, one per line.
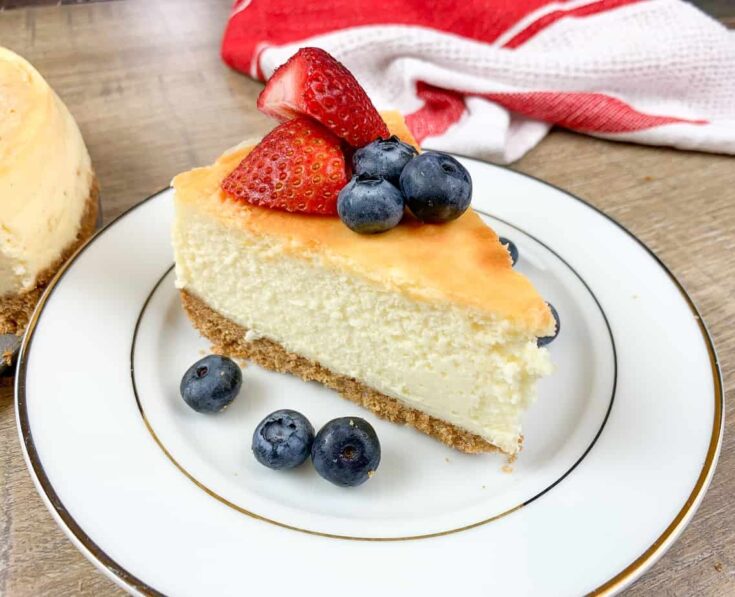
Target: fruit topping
(298,167)
(313,83)
(437,188)
(370,204)
(383,157)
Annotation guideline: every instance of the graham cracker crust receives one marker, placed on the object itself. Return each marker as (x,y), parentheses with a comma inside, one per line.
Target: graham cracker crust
(228,338)
(16,309)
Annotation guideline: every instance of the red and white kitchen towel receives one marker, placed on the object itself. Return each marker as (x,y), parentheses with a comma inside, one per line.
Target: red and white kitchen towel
(488,78)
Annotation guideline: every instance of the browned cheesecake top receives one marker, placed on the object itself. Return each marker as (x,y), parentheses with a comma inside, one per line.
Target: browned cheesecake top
(460,262)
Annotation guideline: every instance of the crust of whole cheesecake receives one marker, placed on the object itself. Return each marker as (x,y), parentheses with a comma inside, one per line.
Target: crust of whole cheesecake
(228,338)
(16,309)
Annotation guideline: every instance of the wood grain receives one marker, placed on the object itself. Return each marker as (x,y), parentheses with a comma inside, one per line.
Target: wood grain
(10,4)
(144,80)
(717,8)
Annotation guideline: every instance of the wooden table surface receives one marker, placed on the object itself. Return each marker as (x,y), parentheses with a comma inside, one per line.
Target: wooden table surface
(144,80)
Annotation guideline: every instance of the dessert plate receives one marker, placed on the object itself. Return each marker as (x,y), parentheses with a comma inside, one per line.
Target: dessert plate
(619,449)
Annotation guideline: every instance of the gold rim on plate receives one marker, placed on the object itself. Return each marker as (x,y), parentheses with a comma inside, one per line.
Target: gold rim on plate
(116,571)
(212,493)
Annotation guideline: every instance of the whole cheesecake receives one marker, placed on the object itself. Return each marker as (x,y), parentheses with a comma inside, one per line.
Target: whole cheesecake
(424,325)
(48,191)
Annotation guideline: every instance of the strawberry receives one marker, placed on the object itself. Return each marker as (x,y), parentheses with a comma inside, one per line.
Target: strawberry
(313,83)
(299,166)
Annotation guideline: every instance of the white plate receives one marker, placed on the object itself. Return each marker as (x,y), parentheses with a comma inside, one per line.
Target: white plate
(618,452)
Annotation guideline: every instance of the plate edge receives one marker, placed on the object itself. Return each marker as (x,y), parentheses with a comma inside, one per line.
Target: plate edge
(617,583)
(59,513)
(648,558)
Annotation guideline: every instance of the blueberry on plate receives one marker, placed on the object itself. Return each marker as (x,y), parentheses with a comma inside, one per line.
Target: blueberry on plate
(437,188)
(283,439)
(557,326)
(370,204)
(512,249)
(346,451)
(385,158)
(211,384)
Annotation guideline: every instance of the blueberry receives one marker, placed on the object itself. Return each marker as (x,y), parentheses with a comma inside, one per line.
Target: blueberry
(384,158)
(512,249)
(369,204)
(547,339)
(437,187)
(346,451)
(283,439)
(211,384)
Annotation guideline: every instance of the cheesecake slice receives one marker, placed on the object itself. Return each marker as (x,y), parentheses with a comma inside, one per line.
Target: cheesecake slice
(424,325)
(48,191)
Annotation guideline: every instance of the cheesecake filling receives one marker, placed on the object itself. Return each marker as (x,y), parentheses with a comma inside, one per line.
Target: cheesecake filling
(458,364)
(45,175)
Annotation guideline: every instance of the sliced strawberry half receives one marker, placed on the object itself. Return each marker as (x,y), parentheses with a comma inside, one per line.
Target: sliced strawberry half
(299,166)
(313,83)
